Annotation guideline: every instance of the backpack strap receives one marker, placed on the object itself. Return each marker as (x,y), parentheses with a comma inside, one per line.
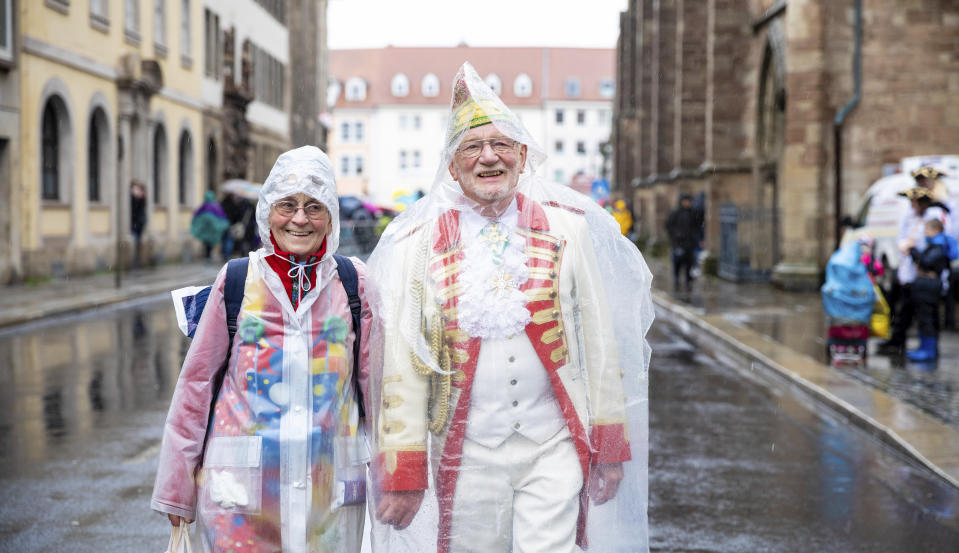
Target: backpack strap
(347,274)
(233,291)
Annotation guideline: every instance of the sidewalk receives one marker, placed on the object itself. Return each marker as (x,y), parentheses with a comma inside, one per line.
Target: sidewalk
(27,303)
(752,325)
(911,408)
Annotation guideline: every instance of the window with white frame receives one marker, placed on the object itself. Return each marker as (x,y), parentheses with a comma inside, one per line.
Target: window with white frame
(159,27)
(402,159)
(416,158)
(581,117)
(131,20)
(269,78)
(345,166)
(558,146)
(572,87)
(430,86)
(417,121)
(355,90)
(358,165)
(559,117)
(581,147)
(400,85)
(6,30)
(186,42)
(558,175)
(523,86)
(345,131)
(496,85)
(404,122)
(605,116)
(358,131)
(212,45)
(100,14)
(607,88)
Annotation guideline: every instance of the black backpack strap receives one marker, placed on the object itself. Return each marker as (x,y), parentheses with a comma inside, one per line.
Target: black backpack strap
(347,273)
(233,291)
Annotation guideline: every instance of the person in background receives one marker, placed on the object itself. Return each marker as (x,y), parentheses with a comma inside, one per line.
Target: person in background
(623,216)
(930,262)
(911,235)
(239,212)
(928,177)
(138,217)
(209,223)
(684,230)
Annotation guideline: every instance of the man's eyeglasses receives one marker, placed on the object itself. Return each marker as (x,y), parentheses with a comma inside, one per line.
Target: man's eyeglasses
(473,148)
(287,208)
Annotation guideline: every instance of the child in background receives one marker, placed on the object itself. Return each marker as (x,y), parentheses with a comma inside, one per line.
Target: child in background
(927,288)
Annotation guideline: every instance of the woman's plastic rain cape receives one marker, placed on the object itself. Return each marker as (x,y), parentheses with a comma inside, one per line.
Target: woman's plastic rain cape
(281,464)
(848,292)
(588,307)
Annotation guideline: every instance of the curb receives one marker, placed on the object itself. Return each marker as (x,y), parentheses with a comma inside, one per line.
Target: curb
(708,336)
(94,299)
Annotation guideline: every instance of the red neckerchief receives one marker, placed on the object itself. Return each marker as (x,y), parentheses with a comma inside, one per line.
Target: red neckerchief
(282,262)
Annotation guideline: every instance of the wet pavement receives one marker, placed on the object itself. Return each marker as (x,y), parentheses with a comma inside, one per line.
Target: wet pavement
(797,320)
(736,466)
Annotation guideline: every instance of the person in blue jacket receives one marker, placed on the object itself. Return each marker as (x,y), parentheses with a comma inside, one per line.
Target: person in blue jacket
(931,262)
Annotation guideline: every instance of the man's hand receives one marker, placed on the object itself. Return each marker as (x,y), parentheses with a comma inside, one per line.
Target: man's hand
(604,481)
(399,508)
(175,520)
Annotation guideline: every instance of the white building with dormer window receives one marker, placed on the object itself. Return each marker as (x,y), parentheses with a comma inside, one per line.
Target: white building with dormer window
(399,99)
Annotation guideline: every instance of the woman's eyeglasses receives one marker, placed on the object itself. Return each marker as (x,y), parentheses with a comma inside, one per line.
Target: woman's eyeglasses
(499,145)
(287,208)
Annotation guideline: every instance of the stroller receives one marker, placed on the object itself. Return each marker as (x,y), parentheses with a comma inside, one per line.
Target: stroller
(848,297)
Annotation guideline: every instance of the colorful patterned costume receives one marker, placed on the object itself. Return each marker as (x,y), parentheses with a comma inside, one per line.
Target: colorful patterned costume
(281,465)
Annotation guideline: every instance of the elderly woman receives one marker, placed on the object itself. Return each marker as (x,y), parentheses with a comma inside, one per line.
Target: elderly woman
(273,459)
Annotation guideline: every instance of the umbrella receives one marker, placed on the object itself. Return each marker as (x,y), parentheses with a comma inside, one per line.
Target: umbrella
(242,188)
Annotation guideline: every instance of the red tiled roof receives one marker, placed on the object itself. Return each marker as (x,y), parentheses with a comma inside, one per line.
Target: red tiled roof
(378,67)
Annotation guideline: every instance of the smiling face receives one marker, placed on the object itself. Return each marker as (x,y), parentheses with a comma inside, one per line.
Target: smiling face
(491,178)
(297,233)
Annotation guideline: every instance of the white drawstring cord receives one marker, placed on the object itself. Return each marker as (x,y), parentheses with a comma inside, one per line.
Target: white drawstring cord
(298,272)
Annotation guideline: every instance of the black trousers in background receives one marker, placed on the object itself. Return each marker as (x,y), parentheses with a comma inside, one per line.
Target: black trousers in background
(927,293)
(683,259)
(904,313)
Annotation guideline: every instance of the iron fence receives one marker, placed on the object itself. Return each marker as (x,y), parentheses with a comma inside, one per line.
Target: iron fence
(749,242)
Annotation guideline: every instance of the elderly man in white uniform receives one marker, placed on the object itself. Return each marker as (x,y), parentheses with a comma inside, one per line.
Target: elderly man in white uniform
(500,347)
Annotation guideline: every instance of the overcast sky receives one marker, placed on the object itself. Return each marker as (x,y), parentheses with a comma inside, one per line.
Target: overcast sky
(378,23)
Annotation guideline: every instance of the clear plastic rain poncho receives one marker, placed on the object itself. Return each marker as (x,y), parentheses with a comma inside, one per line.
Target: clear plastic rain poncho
(509,365)
(280,463)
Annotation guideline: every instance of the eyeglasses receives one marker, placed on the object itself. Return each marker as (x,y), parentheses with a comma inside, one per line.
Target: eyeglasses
(287,208)
(473,148)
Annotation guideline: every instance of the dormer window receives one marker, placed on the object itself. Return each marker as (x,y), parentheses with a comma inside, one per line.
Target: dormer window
(496,85)
(431,85)
(355,90)
(400,86)
(523,86)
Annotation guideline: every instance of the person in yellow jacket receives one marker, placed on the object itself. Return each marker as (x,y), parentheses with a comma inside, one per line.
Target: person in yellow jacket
(623,217)
(512,346)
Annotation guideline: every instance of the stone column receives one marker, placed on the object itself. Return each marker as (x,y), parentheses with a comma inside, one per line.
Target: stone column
(806,223)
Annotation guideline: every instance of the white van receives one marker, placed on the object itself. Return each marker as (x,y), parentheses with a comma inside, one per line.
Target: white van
(881,209)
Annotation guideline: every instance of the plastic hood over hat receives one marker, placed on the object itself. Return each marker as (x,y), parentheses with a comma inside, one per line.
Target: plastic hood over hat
(567,292)
(308,170)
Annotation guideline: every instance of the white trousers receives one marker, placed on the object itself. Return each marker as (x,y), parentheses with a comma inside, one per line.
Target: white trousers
(520,497)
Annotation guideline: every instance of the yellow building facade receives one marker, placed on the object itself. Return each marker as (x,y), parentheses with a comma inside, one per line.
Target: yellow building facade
(110,91)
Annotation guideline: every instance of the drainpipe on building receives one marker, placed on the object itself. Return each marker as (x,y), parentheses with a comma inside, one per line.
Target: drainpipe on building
(841,118)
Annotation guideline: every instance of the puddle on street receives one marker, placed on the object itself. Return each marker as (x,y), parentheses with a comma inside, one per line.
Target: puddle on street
(65,378)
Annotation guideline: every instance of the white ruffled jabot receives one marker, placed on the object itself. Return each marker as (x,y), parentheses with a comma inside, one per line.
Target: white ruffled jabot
(491,305)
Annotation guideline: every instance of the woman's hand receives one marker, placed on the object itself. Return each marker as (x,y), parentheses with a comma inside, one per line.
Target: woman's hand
(175,519)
